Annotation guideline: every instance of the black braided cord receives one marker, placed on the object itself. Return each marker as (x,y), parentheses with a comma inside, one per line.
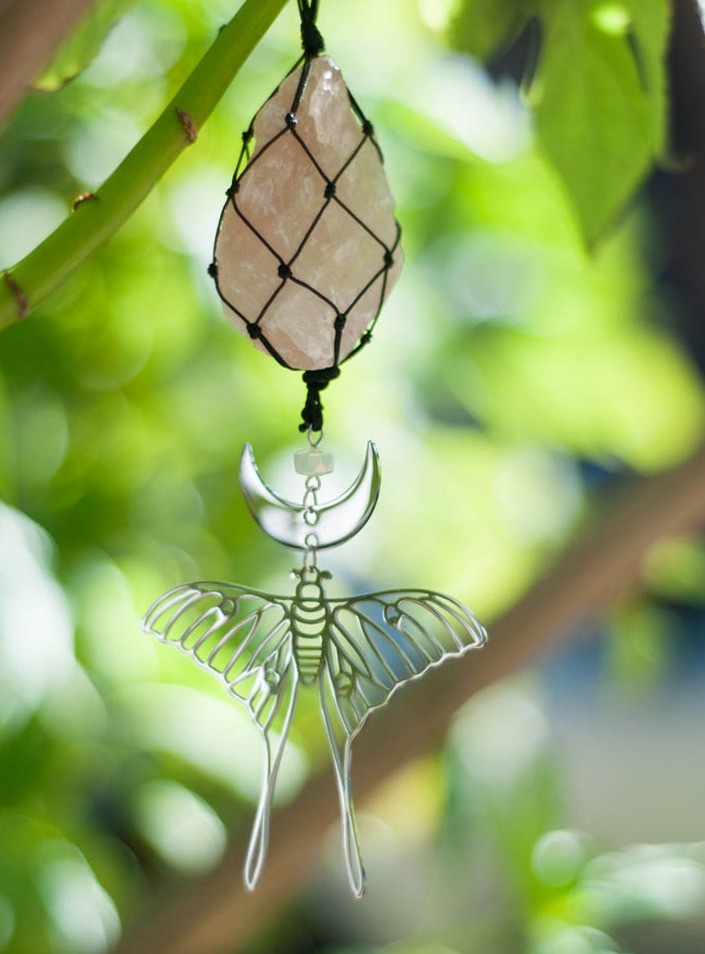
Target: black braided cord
(315,380)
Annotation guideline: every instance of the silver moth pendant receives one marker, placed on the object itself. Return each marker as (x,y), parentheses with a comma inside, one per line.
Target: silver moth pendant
(354,652)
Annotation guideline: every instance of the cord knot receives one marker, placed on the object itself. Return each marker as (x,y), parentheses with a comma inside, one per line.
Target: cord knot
(315,381)
(311,39)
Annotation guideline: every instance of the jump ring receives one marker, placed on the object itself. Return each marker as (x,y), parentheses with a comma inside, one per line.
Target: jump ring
(314,441)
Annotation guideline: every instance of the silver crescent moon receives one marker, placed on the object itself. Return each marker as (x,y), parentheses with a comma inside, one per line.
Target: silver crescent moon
(336,521)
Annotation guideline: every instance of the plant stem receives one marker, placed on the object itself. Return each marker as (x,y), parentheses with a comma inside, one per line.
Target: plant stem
(95,222)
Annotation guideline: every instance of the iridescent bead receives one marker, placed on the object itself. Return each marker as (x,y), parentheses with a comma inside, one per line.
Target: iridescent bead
(313,462)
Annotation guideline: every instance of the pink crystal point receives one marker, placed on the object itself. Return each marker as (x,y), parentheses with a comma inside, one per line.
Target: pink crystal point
(320,213)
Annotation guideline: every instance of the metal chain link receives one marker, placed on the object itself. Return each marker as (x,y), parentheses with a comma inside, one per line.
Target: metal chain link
(310,515)
(310,561)
(310,502)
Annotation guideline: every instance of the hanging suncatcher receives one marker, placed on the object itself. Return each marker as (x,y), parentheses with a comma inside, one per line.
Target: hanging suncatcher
(306,251)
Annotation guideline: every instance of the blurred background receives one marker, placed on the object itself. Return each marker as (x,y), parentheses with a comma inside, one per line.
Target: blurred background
(543,348)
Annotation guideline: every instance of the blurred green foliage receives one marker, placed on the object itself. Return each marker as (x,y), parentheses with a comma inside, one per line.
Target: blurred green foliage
(598,89)
(82,47)
(506,360)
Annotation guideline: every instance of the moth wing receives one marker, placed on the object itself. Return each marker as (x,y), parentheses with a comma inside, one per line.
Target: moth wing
(231,631)
(380,641)
(376,643)
(244,638)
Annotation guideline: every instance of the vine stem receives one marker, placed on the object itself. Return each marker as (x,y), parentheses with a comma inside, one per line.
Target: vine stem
(94,223)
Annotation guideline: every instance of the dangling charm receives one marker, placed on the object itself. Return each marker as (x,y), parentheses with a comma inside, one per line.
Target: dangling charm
(356,651)
(306,251)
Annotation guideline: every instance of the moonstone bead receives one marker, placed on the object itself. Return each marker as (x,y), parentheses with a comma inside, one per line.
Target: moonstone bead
(314,462)
(281,193)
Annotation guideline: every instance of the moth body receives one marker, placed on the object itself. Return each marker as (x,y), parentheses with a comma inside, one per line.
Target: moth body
(309,622)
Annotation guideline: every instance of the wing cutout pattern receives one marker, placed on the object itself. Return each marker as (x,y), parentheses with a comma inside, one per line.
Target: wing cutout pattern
(377,643)
(372,645)
(243,637)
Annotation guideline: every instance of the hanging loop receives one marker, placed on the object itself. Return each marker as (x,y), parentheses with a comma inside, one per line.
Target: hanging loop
(311,39)
(310,561)
(314,439)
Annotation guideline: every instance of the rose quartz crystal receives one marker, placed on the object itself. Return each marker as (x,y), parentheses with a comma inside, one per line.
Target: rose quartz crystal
(281,193)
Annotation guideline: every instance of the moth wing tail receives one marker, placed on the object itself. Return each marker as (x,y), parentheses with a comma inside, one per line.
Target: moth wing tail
(352,852)
(259,836)
(342,764)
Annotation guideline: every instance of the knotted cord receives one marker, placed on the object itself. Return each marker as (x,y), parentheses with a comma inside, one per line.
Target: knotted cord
(311,39)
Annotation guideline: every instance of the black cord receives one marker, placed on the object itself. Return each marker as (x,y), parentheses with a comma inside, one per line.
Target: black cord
(311,39)
(315,381)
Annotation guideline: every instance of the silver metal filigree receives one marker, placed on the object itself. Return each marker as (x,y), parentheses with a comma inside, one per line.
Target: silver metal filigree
(356,652)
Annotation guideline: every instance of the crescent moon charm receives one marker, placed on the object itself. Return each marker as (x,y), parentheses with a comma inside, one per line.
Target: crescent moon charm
(334,522)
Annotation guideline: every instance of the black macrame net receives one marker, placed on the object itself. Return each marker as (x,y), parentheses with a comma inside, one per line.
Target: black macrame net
(315,380)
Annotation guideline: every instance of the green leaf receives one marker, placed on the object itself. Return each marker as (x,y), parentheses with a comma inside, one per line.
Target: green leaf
(649,39)
(482,27)
(600,100)
(82,47)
